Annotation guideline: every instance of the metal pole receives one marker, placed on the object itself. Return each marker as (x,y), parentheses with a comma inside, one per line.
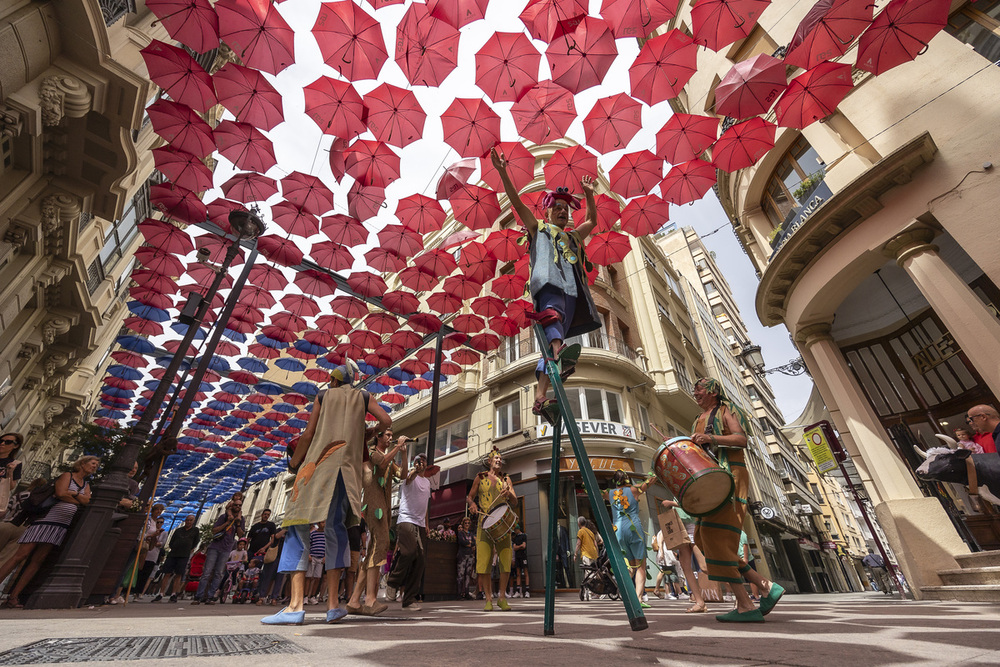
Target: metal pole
(550,579)
(435,395)
(246,477)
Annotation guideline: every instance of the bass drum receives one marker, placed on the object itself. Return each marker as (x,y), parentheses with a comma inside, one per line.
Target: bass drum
(699,483)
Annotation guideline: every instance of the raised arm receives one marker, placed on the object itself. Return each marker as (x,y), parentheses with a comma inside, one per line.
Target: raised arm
(590,222)
(524,213)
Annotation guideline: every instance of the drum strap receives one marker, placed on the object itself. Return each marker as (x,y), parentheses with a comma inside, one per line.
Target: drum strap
(718,452)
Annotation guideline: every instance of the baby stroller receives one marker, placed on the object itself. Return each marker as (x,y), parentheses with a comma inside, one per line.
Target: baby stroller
(598,578)
(247,588)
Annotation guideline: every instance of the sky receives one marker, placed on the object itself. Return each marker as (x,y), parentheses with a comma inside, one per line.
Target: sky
(301,146)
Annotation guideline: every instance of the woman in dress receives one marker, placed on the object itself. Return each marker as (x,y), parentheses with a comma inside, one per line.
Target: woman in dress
(489,490)
(624,500)
(44,535)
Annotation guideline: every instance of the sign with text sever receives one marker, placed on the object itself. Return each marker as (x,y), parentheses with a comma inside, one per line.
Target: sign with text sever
(593,427)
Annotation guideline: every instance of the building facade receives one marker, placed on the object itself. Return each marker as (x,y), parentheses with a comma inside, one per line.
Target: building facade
(871,232)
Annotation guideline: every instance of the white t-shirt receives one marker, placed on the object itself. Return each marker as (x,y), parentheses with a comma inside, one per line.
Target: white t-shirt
(413,499)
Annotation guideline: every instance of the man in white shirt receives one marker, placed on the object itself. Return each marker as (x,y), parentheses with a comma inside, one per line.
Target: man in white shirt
(408,566)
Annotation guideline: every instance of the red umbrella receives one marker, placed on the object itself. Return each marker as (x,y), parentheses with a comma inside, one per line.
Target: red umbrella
(256,297)
(400,241)
(476,263)
(608,213)
(308,192)
(267,277)
(437,262)
(282,251)
(466,357)
(718,23)
(426,47)
(548,19)
(317,283)
(750,87)
(182,168)
(814,95)
(335,325)
(544,112)
(381,323)
(350,40)
(176,72)
(300,305)
(177,203)
(323,339)
(294,220)
(142,326)
(509,286)
(191,22)
(468,323)
(384,260)
(205,276)
(249,96)
(244,145)
(257,33)
(365,201)
(507,245)
(400,302)
(462,287)
(580,60)
(645,215)
(457,13)
(471,127)
(636,174)
(181,127)
(367,284)
(900,33)
(150,298)
(475,207)
(344,230)
(632,18)
(249,187)
(365,339)
(520,166)
(217,247)
(687,182)
(484,341)
(568,166)
(420,214)
(612,122)
(349,306)
(161,262)
(337,165)
(394,115)
(455,177)
(336,107)
(507,66)
(664,65)
(743,144)
(372,162)
(417,280)
(488,306)
(166,237)
(333,256)
(685,137)
(425,322)
(827,31)
(444,303)
(608,248)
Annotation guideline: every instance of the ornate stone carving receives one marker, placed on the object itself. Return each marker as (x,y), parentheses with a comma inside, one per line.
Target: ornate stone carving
(54,327)
(11,123)
(31,384)
(56,210)
(61,95)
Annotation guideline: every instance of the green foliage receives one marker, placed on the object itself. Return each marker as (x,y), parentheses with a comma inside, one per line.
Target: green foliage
(807,184)
(93,440)
(205,530)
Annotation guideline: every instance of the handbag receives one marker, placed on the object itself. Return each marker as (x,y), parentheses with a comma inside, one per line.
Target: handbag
(271,554)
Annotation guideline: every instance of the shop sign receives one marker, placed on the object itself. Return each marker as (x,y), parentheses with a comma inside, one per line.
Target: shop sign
(808,545)
(592,427)
(602,463)
(811,201)
(830,546)
(819,449)
(936,353)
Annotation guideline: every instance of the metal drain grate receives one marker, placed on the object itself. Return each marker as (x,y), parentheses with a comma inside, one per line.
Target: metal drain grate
(91,649)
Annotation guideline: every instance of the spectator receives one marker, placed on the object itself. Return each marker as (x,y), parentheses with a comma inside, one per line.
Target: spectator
(466,560)
(964,440)
(20,514)
(10,468)
(668,564)
(260,535)
(408,566)
(182,543)
(155,543)
(269,586)
(128,501)
(447,534)
(227,527)
(586,545)
(235,565)
(44,535)
(133,571)
(317,560)
(985,420)
(519,544)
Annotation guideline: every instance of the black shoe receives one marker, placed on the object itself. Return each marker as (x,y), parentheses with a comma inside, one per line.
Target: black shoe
(480,596)
(173,598)
(196,601)
(157,598)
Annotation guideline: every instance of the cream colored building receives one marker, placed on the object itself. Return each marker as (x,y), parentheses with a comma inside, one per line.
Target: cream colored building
(886,274)
(73,186)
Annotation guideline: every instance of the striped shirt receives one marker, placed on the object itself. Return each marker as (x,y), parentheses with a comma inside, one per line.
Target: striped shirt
(317,544)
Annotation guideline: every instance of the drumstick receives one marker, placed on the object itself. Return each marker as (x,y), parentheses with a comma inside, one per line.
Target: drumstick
(662,435)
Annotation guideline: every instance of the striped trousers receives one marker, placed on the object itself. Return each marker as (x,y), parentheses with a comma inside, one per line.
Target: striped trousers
(718,534)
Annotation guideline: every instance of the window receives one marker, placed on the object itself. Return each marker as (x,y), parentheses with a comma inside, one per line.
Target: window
(815,490)
(663,311)
(649,260)
(800,163)
(979,27)
(508,419)
(675,286)
(449,439)
(680,370)
(644,419)
(765,425)
(710,287)
(594,404)
(125,229)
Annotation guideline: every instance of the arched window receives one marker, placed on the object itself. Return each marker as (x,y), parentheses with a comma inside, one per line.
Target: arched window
(800,166)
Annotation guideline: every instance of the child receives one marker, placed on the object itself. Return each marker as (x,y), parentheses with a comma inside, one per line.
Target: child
(558,283)
(235,564)
(965,441)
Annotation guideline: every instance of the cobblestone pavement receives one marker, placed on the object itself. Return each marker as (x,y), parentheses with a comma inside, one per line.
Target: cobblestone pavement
(828,630)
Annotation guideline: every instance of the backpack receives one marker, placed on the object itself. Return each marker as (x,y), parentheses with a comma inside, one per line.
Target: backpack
(38,502)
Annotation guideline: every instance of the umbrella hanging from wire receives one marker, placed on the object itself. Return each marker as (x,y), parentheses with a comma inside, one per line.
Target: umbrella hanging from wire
(426,47)
(420,214)
(181,127)
(750,87)
(567,167)
(743,144)
(645,215)
(580,59)
(612,122)
(177,203)
(719,23)
(520,166)
(258,34)
(685,137)
(900,33)
(548,19)
(636,174)
(457,13)
(636,19)
(344,230)
(184,169)
(245,146)
(190,22)
(177,73)
(475,207)
(350,40)
(249,187)
(827,31)
(249,96)
(544,112)
(308,192)
(687,182)
(814,95)
(335,106)
(608,248)
(507,66)
(372,162)
(394,115)
(470,126)
(663,67)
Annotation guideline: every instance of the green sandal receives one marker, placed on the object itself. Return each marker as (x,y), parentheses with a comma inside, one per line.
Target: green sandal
(734,616)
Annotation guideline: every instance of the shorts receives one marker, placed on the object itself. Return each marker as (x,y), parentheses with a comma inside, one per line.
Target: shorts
(295,553)
(315,569)
(551,297)
(174,565)
(354,537)
(669,573)
(520,564)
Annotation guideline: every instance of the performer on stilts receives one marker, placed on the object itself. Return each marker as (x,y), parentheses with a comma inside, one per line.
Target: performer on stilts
(489,490)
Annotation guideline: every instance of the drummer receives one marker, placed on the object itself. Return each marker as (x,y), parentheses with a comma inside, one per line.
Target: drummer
(489,490)
(722,428)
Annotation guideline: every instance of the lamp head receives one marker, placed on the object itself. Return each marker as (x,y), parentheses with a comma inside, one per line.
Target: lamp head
(245,224)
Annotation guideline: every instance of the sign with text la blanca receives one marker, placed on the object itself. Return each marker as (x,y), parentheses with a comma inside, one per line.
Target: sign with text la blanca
(593,427)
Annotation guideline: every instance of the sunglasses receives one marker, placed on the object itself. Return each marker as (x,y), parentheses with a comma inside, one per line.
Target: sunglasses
(8,441)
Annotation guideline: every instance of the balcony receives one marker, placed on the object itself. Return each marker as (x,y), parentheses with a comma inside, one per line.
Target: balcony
(114,10)
(516,356)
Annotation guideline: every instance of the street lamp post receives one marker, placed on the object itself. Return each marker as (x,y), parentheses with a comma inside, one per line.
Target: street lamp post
(64,587)
(752,357)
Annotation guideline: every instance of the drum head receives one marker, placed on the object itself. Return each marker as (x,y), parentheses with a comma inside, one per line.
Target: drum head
(710,491)
(494,516)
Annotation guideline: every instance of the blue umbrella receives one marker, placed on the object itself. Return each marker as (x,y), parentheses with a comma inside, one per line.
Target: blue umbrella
(234,335)
(305,388)
(148,312)
(269,423)
(287,408)
(124,372)
(136,344)
(251,364)
(220,405)
(270,342)
(118,393)
(269,388)
(216,363)
(233,387)
(290,364)
(165,362)
(297,423)
(110,414)
(405,391)
(305,346)
(251,407)
(241,438)
(386,407)
(182,328)
(400,374)
(376,387)
(366,368)
(209,418)
(429,376)
(322,362)
(256,451)
(229,450)
(204,386)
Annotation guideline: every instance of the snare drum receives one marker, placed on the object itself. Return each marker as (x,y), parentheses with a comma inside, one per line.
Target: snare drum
(499,522)
(699,483)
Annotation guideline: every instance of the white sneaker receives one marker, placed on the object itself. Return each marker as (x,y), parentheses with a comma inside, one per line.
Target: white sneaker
(527,594)
(118,600)
(516,594)
(685,596)
(672,596)
(645,597)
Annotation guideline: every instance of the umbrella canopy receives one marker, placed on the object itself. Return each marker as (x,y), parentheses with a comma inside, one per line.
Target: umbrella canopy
(475,207)
(308,192)
(333,256)
(420,214)
(568,166)
(608,248)
(372,162)
(177,203)
(579,60)
(394,115)
(426,47)
(608,212)
(544,112)
(190,22)
(455,177)
(750,87)
(687,182)
(350,40)
(462,287)
(400,240)
(401,302)
(365,201)
(166,237)
(184,169)
(719,23)
(249,187)
(257,33)
(284,251)
(336,107)
(612,122)
(645,215)
(900,33)
(507,66)
(176,72)
(636,174)
(471,127)
(508,286)
(664,65)
(249,96)
(507,245)
(161,262)
(384,260)
(267,277)
(685,137)
(814,95)
(743,144)
(181,127)
(244,145)
(520,166)
(457,13)
(316,283)
(344,229)
(629,18)
(548,19)
(294,220)
(436,263)
(827,31)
